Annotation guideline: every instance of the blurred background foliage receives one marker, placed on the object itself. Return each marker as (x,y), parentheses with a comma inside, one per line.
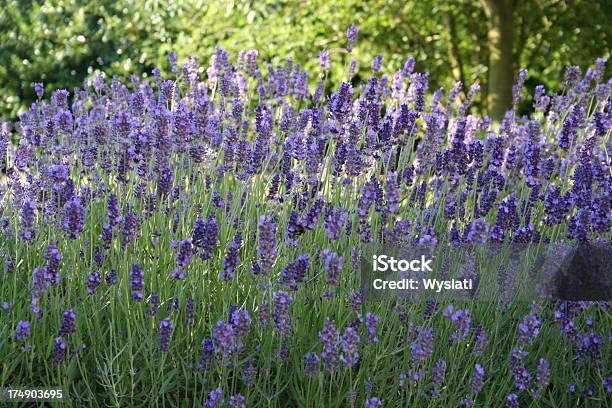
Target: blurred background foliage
(61,42)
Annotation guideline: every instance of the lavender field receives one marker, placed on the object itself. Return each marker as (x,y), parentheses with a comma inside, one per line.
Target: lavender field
(193,238)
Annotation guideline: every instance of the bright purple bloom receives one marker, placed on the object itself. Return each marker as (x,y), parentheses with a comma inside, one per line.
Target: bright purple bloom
(512,401)
(267,250)
(478,379)
(215,399)
(232,259)
(282,317)
(93,281)
(74,217)
(372,321)
(137,282)
(373,402)
(59,350)
(165,332)
(351,36)
(68,326)
(237,401)
(23,330)
(311,363)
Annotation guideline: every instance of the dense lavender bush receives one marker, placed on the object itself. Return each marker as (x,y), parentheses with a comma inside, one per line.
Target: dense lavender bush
(277,183)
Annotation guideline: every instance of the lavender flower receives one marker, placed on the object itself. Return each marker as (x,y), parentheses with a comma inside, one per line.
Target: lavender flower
(111,277)
(529,329)
(68,326)
(372,321)
(137,282)
(59,350)
(215,399)
(349,343)
(237,401)
(165,332)
(267,242)
(206,354)
(461,320)
(437,378)
(23,330)
(74,217)
(205,236)
(422,347)
(231,260)
(521,376)
(282,317)
(93,281)
(477,380)
(373,402)
(311,363)
(351,36)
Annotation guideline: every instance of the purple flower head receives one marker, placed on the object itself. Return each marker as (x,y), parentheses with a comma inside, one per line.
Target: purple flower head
(512,401)
(39,89)
(51,269)
(137,282)
(282,317)
(154,303)
(522,378)
(68,325)
(226,341)
(324,59)
(113,211)
(529,329)
(241,321)
(189,311)
(478,379)
(351,36)
(28,216)
(333,266)
(267,250)
(437,377)
(237,401)
(329,336)
(165,332)
(205,236)
(480,340)
(372,321)
(111,277)
(607,383)
(59,350)
(232,259)
(74,217)
(215,399)
(295,272)
(350,343)
(542,378)
(131,226)
(373,402)
(376,64)
(461,320)
(422,347)
(335,219)
(184,252)
(93,281)
(206,354)
(311,364)
(23,330)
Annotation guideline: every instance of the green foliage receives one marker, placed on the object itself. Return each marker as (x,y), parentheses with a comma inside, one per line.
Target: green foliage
(60,42)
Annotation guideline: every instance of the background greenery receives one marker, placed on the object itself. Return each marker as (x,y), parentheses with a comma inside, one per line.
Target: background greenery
(59,42)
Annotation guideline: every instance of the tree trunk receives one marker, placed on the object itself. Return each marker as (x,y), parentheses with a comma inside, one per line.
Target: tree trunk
(501,56)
